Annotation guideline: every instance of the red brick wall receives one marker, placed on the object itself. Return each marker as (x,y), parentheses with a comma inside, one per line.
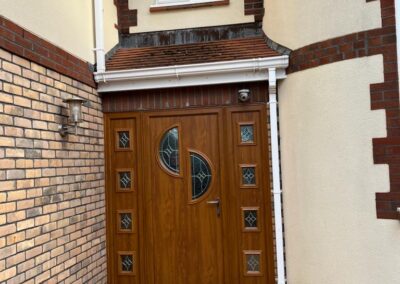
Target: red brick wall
(383,96)
(19,41)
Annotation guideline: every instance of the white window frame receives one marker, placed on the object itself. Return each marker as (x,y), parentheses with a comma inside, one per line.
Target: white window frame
(169,3)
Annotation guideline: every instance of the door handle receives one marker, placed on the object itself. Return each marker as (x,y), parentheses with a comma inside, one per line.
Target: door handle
(216,202)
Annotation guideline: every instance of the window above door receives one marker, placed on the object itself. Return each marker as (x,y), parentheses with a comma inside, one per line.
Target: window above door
(162,5)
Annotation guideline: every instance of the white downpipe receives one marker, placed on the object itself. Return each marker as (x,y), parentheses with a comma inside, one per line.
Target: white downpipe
(99,33)
(397,15)
(276,176)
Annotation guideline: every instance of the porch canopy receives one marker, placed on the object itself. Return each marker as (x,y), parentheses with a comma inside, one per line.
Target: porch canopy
(204,63)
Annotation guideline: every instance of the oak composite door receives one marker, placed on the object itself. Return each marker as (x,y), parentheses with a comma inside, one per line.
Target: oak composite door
(188,198)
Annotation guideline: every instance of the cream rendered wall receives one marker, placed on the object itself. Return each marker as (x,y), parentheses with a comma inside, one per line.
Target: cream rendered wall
(187,18)
(110,19)
(297,23)
(332,234)
(65,23)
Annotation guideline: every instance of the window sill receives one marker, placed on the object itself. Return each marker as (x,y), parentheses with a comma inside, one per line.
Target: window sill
(168,7)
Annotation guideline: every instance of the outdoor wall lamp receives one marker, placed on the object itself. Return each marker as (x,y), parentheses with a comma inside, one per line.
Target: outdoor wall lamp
(75,116)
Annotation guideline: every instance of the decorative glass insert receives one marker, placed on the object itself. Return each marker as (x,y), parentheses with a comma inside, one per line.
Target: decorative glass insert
(248,175)
(247,133)
(125,221)
(125,180)
(201,175)
(250,218)
(169,150)
(123,139)
(126,263)
(253,263)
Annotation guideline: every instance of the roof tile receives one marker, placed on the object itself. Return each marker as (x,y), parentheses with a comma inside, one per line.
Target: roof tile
(223,50)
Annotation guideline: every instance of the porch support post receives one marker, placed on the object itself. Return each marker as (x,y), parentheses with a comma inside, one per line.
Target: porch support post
(276,176)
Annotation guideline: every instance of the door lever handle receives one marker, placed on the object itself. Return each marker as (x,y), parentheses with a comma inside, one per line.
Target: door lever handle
(216,202)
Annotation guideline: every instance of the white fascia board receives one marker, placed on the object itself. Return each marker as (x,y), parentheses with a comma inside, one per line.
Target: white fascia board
(191,75)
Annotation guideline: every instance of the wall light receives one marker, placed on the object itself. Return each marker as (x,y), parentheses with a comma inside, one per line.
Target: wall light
(75,116)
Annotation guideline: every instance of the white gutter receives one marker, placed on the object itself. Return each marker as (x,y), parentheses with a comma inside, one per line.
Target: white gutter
(99,33)
(397,16)
(222,72)
(276,176)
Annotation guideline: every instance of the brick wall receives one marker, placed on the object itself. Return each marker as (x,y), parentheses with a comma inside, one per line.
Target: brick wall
(17,40)
(52,211)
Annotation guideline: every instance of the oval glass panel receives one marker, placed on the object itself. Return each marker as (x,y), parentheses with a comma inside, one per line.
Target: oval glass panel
(201,175)
(169,150)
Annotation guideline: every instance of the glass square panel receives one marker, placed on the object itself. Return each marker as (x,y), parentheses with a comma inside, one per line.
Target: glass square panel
(247,133)
(125,180)
(253,262)
(248,175)
(250,218)
(123,139)
(126,263)
(125,221)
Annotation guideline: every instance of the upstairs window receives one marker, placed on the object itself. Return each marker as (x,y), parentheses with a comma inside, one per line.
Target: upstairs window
(161,5)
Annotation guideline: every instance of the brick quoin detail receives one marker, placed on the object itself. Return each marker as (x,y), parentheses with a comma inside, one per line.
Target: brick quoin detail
(383,95)
(254,7)
(126,18)
(19,41)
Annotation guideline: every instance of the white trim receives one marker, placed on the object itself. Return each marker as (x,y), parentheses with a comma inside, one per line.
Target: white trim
(397,17)
(99,32)
(222,72)
(276,176)
(173,3)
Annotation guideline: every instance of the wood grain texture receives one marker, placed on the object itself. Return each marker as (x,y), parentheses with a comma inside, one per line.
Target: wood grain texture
(176,239)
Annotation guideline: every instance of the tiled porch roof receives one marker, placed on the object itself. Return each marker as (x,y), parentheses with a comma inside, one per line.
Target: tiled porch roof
(204,52)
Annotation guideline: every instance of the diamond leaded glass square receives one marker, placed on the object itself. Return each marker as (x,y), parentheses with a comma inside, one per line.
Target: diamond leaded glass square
(250,218)
(247,133)
(253,262)
(125,221)
(125,180)
(123,139)
(248,175)
(126,263)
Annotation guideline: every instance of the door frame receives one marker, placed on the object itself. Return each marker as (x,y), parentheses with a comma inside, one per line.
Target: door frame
(139,116)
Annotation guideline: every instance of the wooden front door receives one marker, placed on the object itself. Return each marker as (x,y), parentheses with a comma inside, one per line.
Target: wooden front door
(188,197)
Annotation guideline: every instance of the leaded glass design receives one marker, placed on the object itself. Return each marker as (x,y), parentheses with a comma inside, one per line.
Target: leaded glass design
(123,139)
(201,175)
(250,218)
(248,175)
(253,262)
(125,221)
(125,180)
(247,133)
(169,150)
(126,263)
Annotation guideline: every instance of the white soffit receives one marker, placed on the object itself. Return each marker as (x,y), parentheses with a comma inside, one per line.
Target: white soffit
(247,70)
